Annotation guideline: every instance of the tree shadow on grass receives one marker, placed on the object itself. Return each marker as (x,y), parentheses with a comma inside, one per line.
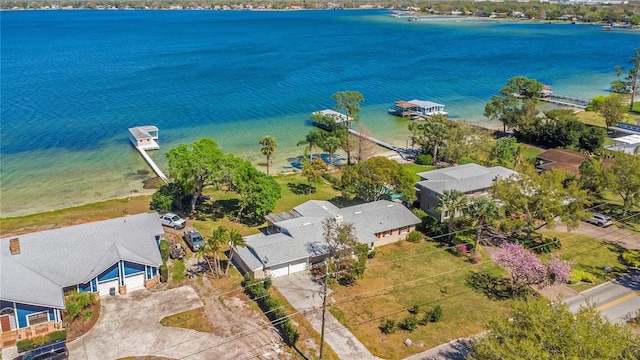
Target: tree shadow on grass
(218,209)
(301,188)
(492,286)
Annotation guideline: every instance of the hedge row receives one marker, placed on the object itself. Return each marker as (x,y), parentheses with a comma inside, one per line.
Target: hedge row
(34,342)
(272,307)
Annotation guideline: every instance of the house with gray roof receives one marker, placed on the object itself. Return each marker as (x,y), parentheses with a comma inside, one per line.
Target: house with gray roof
(103,257)
(294,240)
(471,179)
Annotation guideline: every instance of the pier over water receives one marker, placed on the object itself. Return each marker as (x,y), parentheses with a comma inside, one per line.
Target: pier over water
(146,138)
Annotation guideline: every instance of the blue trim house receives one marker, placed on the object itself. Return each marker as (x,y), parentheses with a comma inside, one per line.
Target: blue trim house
(104,257)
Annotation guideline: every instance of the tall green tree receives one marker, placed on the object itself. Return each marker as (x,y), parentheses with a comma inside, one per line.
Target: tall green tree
(630,83)
(311,142)
(430,134)
(258,192)
(211,249)
(514,105)
(331,141)
(452,201)
(540,199)
(536,329)
(482,211)
(235,240)
(377,178)
(196,166)
(349,102)
(611,108)
(504,152)
(269,146)
(624,179)
(313,170)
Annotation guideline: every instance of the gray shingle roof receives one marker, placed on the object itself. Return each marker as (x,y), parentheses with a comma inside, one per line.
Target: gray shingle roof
(76,254)
(465,178)
(302,237)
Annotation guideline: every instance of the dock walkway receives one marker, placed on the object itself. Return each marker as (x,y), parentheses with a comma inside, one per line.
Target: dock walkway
(574,101)
(152,163)
(404,153)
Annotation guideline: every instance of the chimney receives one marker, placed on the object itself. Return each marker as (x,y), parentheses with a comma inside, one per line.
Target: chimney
(339,219)
(14,246)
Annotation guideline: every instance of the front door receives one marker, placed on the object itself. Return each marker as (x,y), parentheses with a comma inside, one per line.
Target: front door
(5,323)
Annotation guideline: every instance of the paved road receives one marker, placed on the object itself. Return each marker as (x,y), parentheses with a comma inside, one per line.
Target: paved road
(617,300)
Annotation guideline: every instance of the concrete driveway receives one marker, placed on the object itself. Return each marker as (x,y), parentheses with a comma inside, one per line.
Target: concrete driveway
(304,294)
(129,325)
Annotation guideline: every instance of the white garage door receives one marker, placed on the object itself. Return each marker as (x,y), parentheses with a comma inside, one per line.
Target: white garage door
(281,271)
(298,267)
(134,281)
(288,269)
(103,287)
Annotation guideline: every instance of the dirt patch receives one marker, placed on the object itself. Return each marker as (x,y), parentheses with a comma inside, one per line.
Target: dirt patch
(151,183)
(83,323)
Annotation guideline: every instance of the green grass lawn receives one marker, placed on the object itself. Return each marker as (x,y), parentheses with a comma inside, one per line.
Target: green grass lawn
(413,169)
(590,255)
(405,274)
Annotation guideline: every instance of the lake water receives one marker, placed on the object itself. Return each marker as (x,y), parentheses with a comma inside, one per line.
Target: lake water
(73,82)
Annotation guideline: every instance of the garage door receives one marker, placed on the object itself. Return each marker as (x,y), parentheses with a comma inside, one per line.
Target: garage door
(298,267)
(281,271)
(103,287)
(134,281)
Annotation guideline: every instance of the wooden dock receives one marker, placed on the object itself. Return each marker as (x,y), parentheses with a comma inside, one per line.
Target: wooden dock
(571,101)
(152,163)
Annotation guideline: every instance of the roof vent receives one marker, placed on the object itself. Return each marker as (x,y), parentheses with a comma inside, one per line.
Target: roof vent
(358,212)
(305,224)
(390,205)
(14,246)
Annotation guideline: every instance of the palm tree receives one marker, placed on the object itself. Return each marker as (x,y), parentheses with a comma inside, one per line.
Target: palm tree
(452,201)
(483,211)
(331,141)
(311,140)
(235,240)
(269,146)
(213,245)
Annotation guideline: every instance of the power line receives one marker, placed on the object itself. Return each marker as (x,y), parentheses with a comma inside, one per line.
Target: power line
(279,320)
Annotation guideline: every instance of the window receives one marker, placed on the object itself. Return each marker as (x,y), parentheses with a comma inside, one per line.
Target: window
(404,230)
(432,194)
(38,318)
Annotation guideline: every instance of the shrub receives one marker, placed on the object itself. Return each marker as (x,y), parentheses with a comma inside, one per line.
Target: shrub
(164,250)
(579,275)
(164,273)
(290,333)
(87,315)
(409,323)
(266,283)
(631,258)
(29,344)
(425,319)
(414,236)
(72,309)
(415,309)
(435,314)
(466,160)
(387,326)
(372,253)
(424,159)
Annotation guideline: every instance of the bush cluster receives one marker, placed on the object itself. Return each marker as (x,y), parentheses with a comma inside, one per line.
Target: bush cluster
(164,273)
(415,236)
(164,250)
(563,132)
(631,258)
(272,307)
(34,342)
(424,159)
(579,275)
(412,321)
(75,302)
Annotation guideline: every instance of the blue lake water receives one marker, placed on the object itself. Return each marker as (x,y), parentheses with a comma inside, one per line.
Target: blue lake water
(73,82)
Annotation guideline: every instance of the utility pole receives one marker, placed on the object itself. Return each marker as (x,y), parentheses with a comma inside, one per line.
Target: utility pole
(324,305)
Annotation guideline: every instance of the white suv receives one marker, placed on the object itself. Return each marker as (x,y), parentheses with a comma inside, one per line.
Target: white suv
(173,220)
(600,220)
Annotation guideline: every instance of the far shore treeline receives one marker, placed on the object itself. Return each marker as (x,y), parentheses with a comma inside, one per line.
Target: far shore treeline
(602,12)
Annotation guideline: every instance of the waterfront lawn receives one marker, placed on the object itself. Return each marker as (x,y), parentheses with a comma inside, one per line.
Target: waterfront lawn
(590,255)
(405,274)
(74,215)
(414,169)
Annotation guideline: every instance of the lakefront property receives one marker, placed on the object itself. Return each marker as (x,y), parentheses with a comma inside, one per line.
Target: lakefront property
(104,257)
(294,239)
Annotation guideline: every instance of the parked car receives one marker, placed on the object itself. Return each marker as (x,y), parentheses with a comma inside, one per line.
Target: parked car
(601,220)
(173,220)
(194,240)
(53,351)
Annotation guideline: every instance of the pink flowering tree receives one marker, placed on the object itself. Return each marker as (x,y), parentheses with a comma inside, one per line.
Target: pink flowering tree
(526,269)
